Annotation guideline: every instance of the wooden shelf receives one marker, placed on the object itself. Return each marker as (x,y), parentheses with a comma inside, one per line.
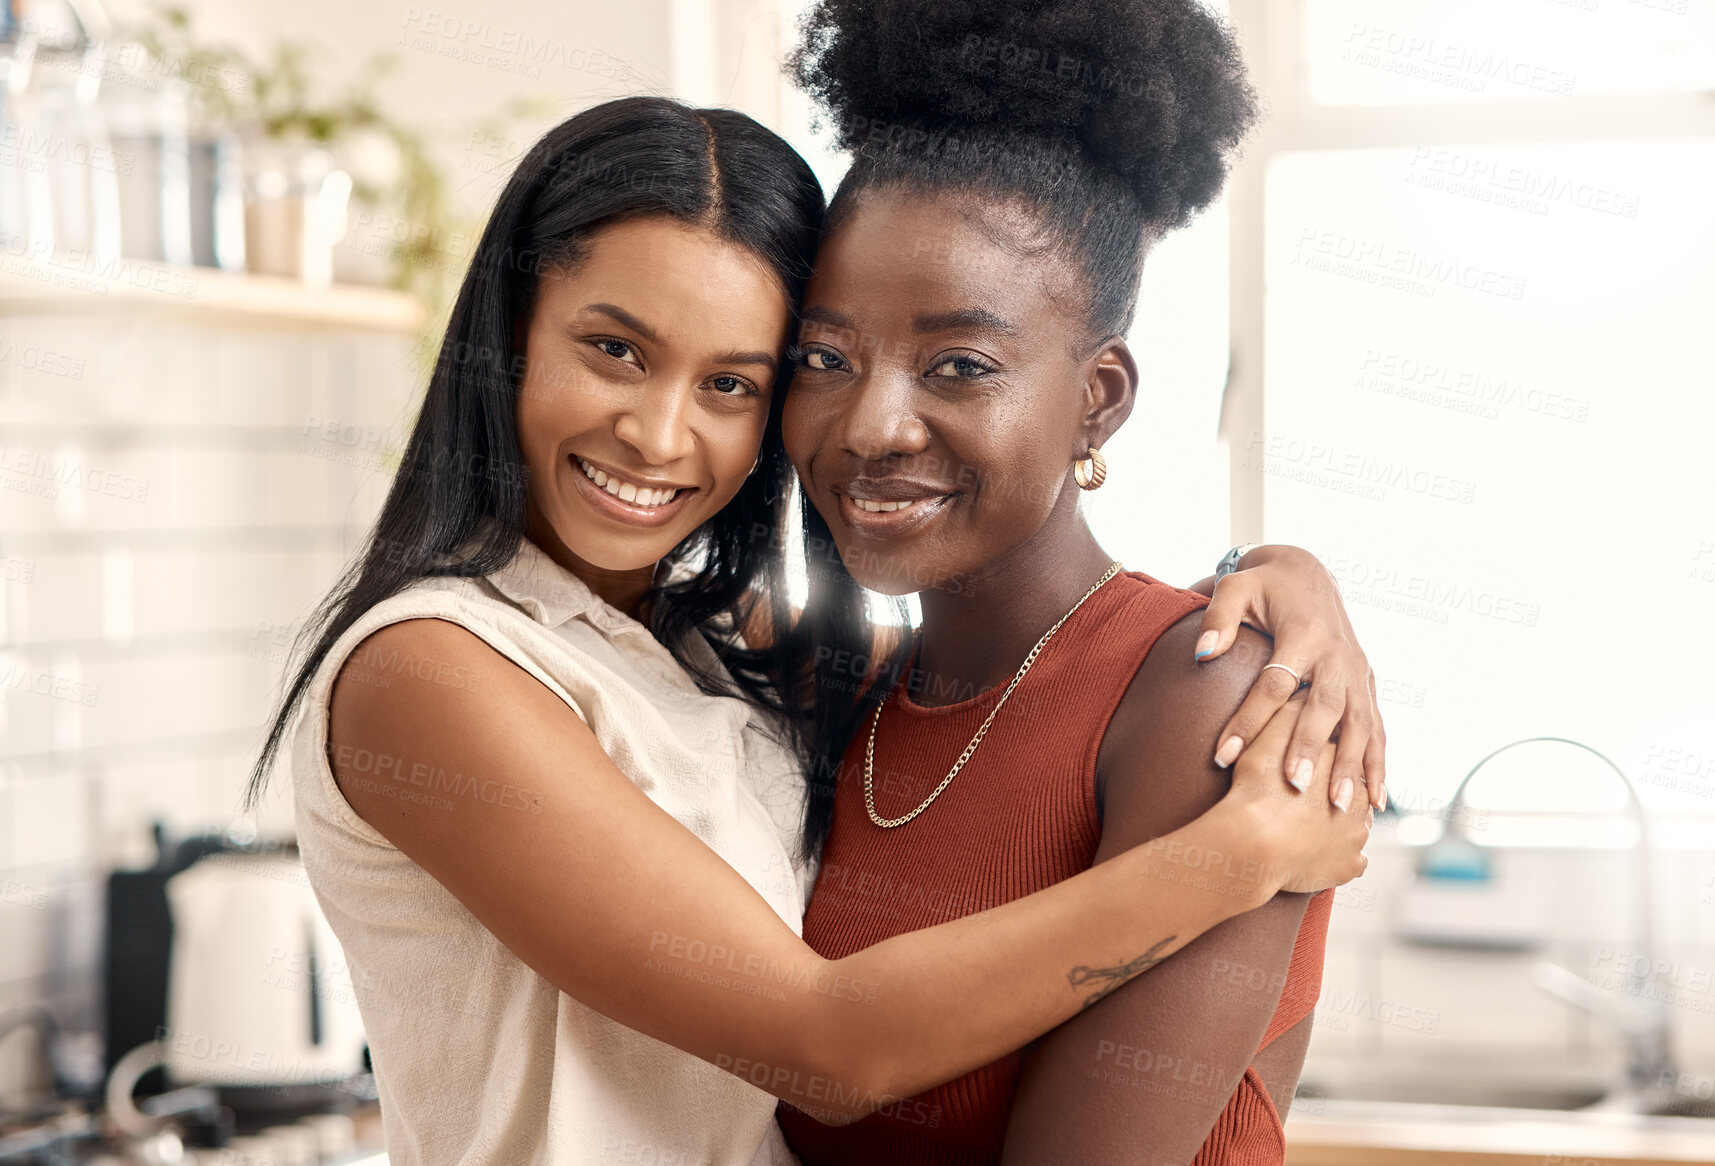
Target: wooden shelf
(143,288)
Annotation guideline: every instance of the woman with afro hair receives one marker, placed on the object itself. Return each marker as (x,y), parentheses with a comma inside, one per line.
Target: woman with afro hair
(960,363)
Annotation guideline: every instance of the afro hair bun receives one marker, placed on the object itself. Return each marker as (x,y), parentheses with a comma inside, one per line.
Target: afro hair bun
(1153,92)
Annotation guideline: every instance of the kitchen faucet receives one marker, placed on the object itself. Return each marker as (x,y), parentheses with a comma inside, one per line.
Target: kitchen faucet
(1641,1015)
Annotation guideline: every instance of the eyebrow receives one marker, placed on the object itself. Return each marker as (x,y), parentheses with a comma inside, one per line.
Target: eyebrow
(761,358)
(980,318)
(615,312)
(817,314)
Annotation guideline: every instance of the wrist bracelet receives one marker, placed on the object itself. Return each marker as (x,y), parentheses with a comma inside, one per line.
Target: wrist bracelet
(1230,562)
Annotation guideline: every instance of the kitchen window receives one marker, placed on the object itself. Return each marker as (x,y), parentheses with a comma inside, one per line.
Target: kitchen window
(1470,302)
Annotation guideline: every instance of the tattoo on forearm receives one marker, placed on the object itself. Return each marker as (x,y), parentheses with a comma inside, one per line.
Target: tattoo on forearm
(1111,978)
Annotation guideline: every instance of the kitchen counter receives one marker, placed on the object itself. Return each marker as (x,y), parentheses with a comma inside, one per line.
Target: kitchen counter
(1330,1133)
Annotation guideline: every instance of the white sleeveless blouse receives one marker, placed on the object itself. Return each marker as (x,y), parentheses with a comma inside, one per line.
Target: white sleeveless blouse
(480,1061)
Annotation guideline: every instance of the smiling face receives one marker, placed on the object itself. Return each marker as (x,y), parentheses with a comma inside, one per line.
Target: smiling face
(944,389)
(648,373)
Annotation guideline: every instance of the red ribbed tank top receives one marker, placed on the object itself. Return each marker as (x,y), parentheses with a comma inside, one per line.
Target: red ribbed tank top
(1021,816)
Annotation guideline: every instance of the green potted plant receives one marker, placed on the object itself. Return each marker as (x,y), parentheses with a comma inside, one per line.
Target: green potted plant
(312,155)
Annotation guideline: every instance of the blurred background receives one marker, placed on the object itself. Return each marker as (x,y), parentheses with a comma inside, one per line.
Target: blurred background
(1451,329)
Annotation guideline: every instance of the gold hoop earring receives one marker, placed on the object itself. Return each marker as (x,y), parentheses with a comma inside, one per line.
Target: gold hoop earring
(1091,471)
(754,464)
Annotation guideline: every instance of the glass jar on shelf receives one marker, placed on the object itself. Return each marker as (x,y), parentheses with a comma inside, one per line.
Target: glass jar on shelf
(81,168)
(295,201)
(26,198)
(147,118)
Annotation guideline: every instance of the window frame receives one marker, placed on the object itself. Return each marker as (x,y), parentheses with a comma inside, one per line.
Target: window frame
(1272,35)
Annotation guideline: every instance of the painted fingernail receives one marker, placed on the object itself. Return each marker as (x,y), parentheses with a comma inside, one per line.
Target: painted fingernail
(1303,772)
(1343,795)
(1206,643)
(1229,751)
(1381,802)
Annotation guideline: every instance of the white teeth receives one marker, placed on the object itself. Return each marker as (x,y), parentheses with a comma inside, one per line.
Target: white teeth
(881,507)
(627,491)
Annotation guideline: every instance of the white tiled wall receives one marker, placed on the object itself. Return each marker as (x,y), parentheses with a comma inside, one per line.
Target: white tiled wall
(158,614)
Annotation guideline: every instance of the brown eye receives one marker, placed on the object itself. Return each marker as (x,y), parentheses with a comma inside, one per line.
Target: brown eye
(618,349)
(731,386)
(961,365)
(821,360)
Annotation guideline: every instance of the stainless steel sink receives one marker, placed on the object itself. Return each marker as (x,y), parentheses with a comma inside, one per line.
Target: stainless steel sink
(1494,1085)
(1660,1103)
(1471,1092)
(1591,1134)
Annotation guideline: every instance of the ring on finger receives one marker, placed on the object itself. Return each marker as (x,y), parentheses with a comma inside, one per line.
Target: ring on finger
(1301,682)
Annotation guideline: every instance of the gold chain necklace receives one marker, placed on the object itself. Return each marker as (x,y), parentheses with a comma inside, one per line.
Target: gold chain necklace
(869,751)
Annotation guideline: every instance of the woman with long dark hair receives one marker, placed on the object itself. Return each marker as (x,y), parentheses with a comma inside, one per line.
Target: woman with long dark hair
(551,798)
(1046,716)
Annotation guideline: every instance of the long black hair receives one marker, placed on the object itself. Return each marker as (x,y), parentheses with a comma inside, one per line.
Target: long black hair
(1114,120)
(457,503)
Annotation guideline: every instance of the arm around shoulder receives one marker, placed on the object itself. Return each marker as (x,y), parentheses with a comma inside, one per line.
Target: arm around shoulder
(564,888)
(1143,1074)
